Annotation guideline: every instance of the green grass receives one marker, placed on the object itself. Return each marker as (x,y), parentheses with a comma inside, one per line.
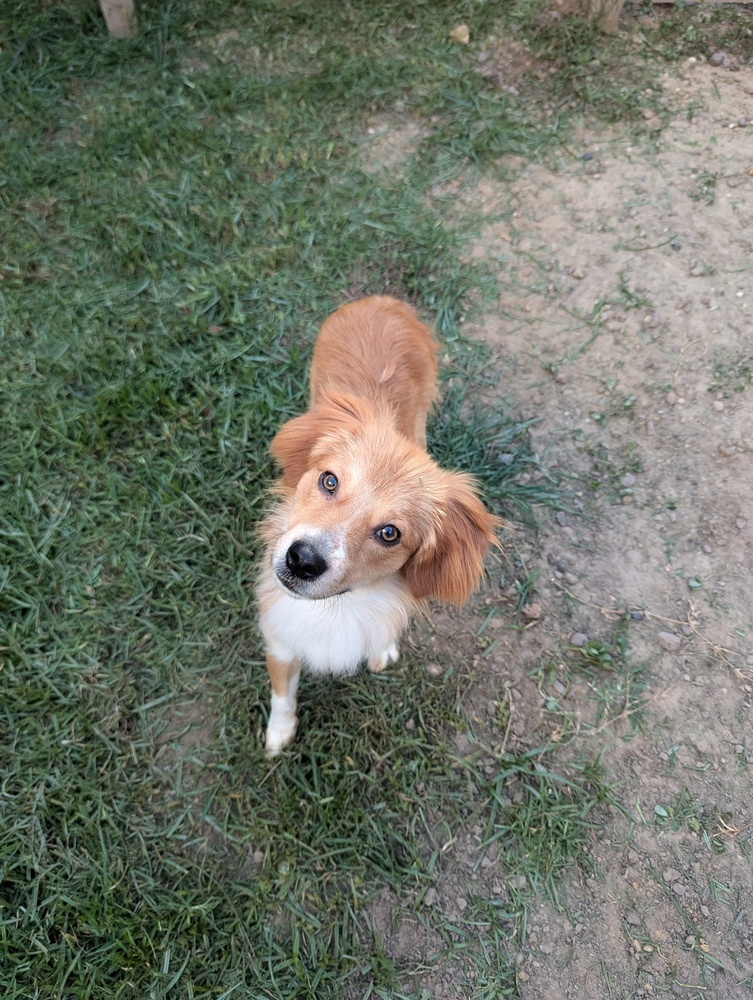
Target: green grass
(176,217)
(540,819)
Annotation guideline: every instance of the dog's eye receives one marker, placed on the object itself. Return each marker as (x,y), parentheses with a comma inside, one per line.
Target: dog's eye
(388,534)
(328,482)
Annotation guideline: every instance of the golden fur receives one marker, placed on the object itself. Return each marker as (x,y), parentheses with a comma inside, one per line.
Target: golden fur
(330,552)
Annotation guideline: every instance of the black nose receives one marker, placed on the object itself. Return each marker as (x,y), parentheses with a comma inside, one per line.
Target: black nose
(304,561)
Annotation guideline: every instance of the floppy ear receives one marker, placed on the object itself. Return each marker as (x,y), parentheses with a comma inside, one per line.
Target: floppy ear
(292,445)
(451,565)
(295,442)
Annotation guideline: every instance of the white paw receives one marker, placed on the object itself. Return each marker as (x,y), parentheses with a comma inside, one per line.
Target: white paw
(280,733)
(388,655)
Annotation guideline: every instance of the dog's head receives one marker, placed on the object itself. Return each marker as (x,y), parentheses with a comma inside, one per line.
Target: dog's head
(366,503)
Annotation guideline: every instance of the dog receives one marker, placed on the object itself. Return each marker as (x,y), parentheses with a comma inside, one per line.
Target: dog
(366,527)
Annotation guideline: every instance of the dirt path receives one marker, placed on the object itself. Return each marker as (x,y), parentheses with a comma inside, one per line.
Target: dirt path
(624,327)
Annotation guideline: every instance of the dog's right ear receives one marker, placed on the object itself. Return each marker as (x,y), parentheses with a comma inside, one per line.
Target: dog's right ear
(295,443)
(292,445)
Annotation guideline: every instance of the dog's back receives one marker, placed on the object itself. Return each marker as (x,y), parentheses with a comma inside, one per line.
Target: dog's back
(378,349)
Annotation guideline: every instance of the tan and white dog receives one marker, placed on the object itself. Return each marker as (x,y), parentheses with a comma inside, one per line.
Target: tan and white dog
(367,526)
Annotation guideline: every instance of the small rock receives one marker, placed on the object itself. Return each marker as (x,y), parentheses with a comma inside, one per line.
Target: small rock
(410,725)
(671,398)
(431,896)
(628,479)
(627,499)
(633,857)
(559,687)
(721,58)
(531,612)
(696,269)
(578,639)
(669,641)
(434,669)
(726,450)
(571,579)
(633,919)
(740,523)
(671,875)
(462,904)
(460,34)
(561,518)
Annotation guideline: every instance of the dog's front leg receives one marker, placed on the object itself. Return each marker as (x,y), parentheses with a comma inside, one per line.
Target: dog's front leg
(389,655)
(284,675)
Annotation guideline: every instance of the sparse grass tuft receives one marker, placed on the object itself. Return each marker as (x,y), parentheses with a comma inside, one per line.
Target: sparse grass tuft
(590,71)
(484,440)
(541,818)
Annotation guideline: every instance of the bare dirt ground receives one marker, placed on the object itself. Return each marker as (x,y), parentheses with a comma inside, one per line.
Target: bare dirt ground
(623,327)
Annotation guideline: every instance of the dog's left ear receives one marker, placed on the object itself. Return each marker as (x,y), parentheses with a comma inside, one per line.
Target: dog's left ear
(450,566)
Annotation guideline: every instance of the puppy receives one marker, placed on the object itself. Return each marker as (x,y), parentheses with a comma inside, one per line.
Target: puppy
(367,526)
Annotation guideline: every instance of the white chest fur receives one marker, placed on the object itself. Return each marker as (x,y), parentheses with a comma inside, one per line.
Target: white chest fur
(335,634)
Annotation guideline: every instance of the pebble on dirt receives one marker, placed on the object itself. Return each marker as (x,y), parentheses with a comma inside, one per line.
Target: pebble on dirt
(669,641)
(431,896)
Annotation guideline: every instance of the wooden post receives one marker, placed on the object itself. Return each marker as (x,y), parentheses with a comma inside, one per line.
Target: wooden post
(120,17)
(606,12)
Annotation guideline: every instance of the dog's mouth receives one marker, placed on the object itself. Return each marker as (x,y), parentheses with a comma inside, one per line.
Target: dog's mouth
(299,588)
